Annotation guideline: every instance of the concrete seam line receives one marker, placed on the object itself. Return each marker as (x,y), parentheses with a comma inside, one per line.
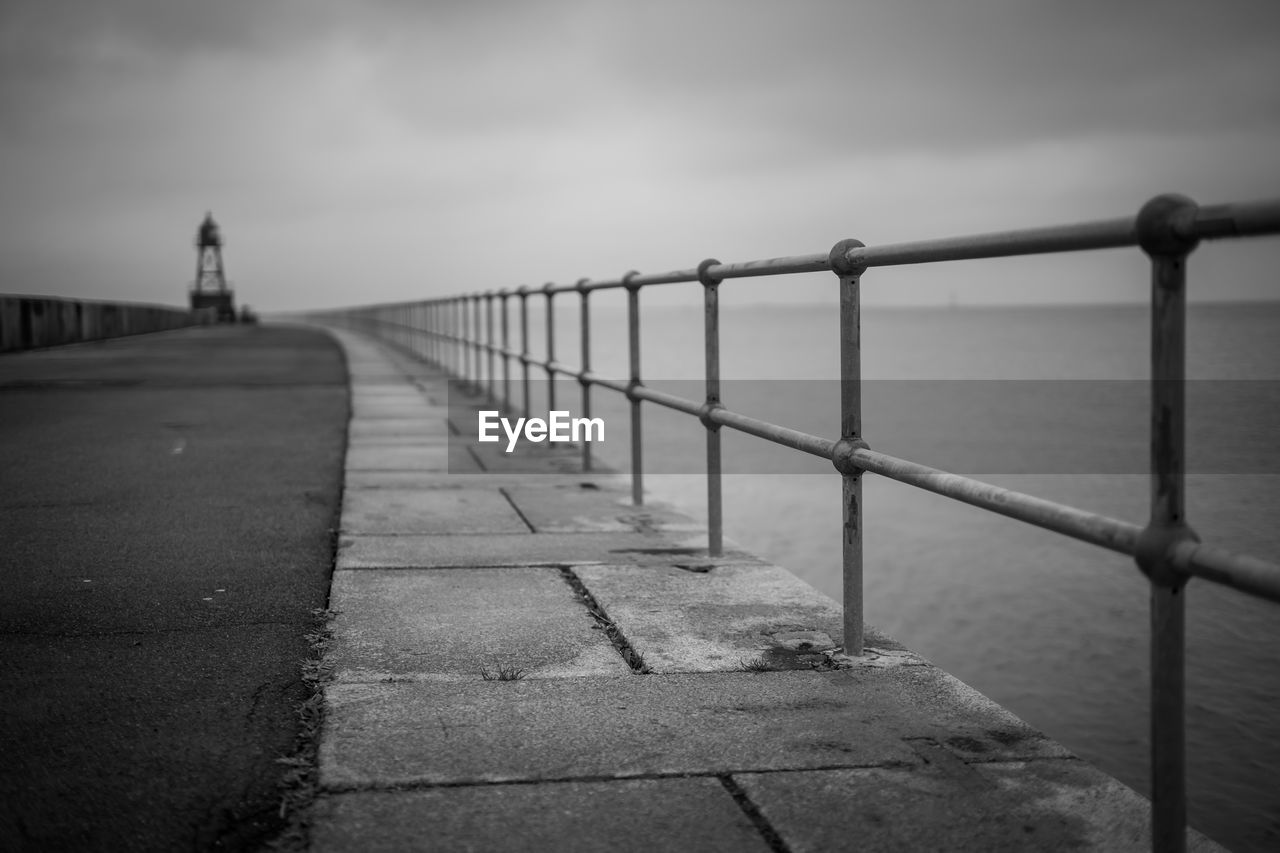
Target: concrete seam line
(610,628)
(753,814)
(517,509)
(398,785)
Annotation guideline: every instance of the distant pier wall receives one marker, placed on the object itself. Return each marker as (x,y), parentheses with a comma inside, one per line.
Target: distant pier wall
(30,322)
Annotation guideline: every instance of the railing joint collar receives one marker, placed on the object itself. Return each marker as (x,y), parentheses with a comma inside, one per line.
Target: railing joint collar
(840,262)
(704,273)
(842,455)
(704,414)
(1165,226)
(1156,549)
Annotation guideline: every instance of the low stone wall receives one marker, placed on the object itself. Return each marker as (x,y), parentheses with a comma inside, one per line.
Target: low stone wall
(29,322)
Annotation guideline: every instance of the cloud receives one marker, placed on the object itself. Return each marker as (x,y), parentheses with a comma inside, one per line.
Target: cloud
(449,145)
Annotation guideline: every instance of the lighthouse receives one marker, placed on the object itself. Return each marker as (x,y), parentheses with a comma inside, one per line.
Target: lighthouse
(210,290)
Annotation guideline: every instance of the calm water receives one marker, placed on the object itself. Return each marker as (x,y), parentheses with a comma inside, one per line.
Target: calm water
(1053,629)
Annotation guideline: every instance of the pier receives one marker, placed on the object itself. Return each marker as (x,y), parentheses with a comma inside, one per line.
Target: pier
(519,651)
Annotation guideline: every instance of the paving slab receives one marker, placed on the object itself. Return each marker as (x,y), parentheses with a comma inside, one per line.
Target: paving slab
(700,615)
(397,426)
(413,459)
(426,551)
(644,725)
(482,479)
(409,403)
(431,435)
(1056,804)
(403,393)
(558,507)
(634,815)
(373,408)
(435,458)
(414,480)
(435,392)
(436,511)
(406,392)
(549,458)
(373,372)
(458,624)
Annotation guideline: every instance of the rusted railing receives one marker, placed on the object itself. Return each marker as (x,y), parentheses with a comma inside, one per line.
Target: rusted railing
(448,332)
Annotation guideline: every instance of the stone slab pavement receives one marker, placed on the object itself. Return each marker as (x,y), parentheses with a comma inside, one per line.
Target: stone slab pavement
(522,660)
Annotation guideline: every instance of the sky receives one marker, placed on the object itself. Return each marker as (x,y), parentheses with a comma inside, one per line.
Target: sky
(388,150)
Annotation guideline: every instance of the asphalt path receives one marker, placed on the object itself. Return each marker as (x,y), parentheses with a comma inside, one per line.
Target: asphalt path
(166,505)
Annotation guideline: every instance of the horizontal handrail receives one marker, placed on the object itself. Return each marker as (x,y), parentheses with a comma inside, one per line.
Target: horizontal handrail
(1167,229)
(1209,222)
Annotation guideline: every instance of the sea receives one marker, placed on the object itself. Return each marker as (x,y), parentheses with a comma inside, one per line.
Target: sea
(1046,400)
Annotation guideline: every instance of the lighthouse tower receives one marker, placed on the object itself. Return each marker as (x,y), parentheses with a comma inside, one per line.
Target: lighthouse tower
(210,289)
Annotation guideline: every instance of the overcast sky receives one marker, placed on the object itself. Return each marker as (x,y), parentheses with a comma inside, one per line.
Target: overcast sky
(383,150)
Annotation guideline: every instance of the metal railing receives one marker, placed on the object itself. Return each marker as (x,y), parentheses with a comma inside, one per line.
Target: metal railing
(449,333)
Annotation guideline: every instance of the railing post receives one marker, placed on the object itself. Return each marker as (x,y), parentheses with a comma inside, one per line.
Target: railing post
(850,274)
(506,348)
(422,342)
(524,347)
(488,320)
(1163,226)
(551,345)
(637,437)
(430,314)
(477,386)
(467,352)
(585,323)
(459,331)
(424,331)
(451,328)
(438,331)
(711,328)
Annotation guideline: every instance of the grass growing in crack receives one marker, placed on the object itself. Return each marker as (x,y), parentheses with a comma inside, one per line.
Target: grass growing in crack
(317,672)
(298,784)
(503,672)
(755,664)
(632,657)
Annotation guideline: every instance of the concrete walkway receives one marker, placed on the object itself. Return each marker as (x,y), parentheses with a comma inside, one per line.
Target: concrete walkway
(524,661)
(166,505)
